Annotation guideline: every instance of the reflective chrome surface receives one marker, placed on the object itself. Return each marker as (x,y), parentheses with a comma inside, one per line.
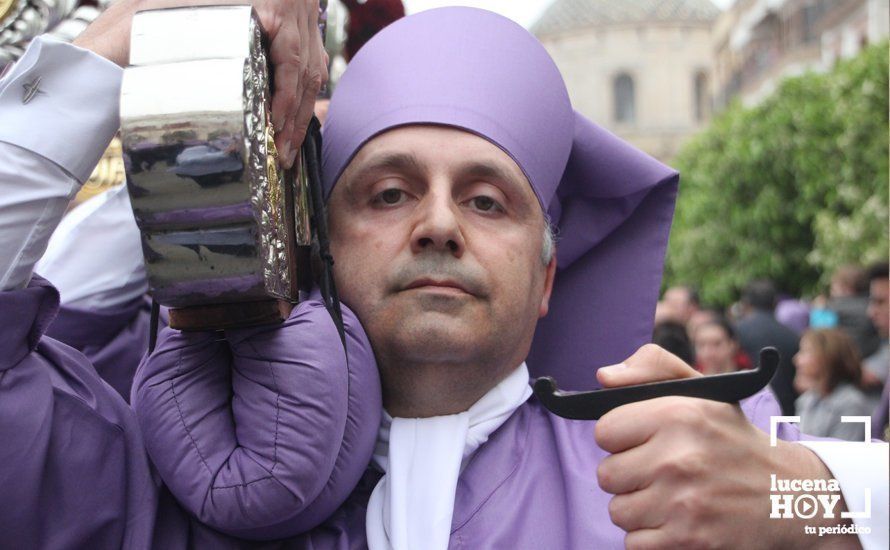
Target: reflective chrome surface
(195,130)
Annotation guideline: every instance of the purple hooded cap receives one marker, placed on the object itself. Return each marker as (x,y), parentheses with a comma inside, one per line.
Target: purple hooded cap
(610,203)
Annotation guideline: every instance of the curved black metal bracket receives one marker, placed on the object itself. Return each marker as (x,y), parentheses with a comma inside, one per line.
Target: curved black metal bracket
(591,405)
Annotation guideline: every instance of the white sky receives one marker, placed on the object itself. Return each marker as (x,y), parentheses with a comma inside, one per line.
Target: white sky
(524,12)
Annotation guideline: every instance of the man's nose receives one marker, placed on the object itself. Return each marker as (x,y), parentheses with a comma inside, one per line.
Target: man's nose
(438,226)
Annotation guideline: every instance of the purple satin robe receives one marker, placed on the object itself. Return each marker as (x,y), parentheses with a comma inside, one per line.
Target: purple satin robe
(114,341)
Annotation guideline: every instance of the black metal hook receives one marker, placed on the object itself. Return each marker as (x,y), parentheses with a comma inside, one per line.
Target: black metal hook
(591,405)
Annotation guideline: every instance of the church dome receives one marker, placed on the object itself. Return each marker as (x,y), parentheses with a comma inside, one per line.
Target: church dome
(568,15)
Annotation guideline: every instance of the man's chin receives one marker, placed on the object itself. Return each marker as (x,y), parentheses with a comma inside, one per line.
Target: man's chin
(438,337)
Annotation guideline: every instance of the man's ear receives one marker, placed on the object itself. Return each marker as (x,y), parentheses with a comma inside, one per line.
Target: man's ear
(549,276)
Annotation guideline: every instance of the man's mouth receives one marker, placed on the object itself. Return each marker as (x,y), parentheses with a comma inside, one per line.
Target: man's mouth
(448,286)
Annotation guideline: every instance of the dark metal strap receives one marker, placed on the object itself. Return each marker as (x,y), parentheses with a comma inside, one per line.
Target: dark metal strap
(153,326)
(728,388)
(311,151)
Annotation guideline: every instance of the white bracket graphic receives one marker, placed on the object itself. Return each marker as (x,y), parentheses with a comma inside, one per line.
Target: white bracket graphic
(865,420)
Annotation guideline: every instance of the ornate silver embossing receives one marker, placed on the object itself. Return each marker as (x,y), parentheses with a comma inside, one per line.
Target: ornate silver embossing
(268,191)
(22,20)
(201,162)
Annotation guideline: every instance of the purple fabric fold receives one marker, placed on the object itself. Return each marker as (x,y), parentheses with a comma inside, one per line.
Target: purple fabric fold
(26,315)
(113,340)
(74,473)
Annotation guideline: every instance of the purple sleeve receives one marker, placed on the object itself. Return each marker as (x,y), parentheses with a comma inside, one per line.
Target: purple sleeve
(73,472)
(261,433)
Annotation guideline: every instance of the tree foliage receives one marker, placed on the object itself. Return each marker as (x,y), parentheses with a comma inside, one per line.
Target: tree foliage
(789,189)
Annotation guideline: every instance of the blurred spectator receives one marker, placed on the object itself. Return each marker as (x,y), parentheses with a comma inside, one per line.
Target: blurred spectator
(699,318)
(367,19)
(794,314)
(849,299)
(820,315)
(877,365)
(828,364)
(758,329)
(716,349)
(672,336)
(679,303)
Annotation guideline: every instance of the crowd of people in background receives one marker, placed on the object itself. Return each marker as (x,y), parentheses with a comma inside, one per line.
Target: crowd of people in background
(834,349)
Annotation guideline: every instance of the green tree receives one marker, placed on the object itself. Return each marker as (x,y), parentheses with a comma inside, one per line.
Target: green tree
(789,189)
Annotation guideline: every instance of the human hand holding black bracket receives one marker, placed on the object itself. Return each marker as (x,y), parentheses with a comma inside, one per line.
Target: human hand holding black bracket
(591,405)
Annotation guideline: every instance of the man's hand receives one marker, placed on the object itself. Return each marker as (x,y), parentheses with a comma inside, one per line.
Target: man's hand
(299,61)
(693,473)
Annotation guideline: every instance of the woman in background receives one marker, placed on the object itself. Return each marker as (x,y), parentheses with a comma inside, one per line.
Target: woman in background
(829,373)
(716,349)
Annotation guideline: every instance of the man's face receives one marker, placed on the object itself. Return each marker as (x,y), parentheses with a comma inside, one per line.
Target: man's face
(878,308)
(437,239)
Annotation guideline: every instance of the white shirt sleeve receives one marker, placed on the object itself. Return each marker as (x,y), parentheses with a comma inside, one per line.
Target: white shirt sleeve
(861,470)
(94,257)
(59,111)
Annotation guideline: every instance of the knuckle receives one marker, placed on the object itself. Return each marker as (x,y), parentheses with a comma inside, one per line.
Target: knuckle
(616,512)
(641,356)
(602,434)
(651,351)
(687,466)
(685,412)
(633,541)
(604,477)
(693,538)
(650,348)
(313,80)
(691,507)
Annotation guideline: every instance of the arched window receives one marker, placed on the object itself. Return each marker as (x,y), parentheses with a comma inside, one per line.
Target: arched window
(623,90)
(702,100)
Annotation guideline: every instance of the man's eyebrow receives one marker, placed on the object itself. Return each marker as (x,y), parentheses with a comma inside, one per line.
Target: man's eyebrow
(402,162)
(487,170)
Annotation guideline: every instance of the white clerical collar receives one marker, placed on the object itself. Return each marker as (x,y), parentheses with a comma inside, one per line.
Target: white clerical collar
(412,505)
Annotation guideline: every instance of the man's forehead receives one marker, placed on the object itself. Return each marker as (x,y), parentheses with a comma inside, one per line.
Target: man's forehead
(427,147)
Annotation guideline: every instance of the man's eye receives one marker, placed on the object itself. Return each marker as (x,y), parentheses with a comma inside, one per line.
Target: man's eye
(485,204)
(391,196)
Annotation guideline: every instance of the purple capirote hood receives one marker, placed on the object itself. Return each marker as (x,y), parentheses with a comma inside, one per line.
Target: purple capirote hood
(611,204)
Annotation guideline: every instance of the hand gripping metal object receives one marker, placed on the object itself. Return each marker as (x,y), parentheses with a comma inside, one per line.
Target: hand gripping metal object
(225,232)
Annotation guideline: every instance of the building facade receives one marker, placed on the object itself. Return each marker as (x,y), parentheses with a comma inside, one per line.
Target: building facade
(757,43)
(641,68)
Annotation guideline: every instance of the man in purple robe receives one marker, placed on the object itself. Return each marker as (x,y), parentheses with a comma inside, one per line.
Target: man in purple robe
(74,470)
(451,151)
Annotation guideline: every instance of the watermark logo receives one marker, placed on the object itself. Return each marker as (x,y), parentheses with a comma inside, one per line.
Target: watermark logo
(808,498)
(816,498)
